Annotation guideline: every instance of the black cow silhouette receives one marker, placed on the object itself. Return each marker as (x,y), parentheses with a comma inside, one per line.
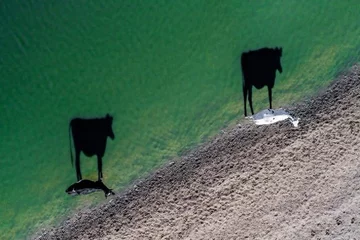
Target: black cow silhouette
(89,136)
(259,70)
(85,186)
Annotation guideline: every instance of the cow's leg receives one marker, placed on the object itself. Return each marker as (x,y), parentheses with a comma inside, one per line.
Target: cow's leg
(244,94)
(250,99)
(100,175)
(77,165)
(270,96)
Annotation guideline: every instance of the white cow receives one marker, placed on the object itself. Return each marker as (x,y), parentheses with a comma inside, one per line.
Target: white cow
(269,116)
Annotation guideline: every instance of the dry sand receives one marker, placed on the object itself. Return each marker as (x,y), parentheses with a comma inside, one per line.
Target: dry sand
(250,182)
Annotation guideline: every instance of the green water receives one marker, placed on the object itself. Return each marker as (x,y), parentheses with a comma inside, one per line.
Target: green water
(167,70)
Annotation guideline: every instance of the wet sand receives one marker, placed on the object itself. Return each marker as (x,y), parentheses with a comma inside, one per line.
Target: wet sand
(249,182)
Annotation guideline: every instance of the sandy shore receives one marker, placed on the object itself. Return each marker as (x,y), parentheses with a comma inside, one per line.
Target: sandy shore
(250,182)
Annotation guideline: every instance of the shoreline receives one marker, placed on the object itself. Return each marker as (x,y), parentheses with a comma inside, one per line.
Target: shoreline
(248,182)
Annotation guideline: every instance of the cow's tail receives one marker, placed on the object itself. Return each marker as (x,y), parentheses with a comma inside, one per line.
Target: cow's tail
(71,155)
(242,63)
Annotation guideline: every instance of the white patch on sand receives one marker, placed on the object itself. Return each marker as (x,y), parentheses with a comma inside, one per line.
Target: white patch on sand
(270,116)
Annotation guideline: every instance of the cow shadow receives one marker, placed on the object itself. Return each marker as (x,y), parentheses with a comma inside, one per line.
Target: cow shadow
(259,70)
(90,137)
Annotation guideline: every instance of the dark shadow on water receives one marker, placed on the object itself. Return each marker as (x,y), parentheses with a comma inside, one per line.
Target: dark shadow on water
(89,137)
(259,70)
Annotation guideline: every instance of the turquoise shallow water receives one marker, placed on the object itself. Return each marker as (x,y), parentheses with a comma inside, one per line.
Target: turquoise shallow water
(168,71)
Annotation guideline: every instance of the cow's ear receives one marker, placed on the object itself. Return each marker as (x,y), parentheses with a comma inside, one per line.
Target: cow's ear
(108,116)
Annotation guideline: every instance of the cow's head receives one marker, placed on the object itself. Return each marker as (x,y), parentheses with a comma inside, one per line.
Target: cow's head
(278,54)
(108,192)
(108,126)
